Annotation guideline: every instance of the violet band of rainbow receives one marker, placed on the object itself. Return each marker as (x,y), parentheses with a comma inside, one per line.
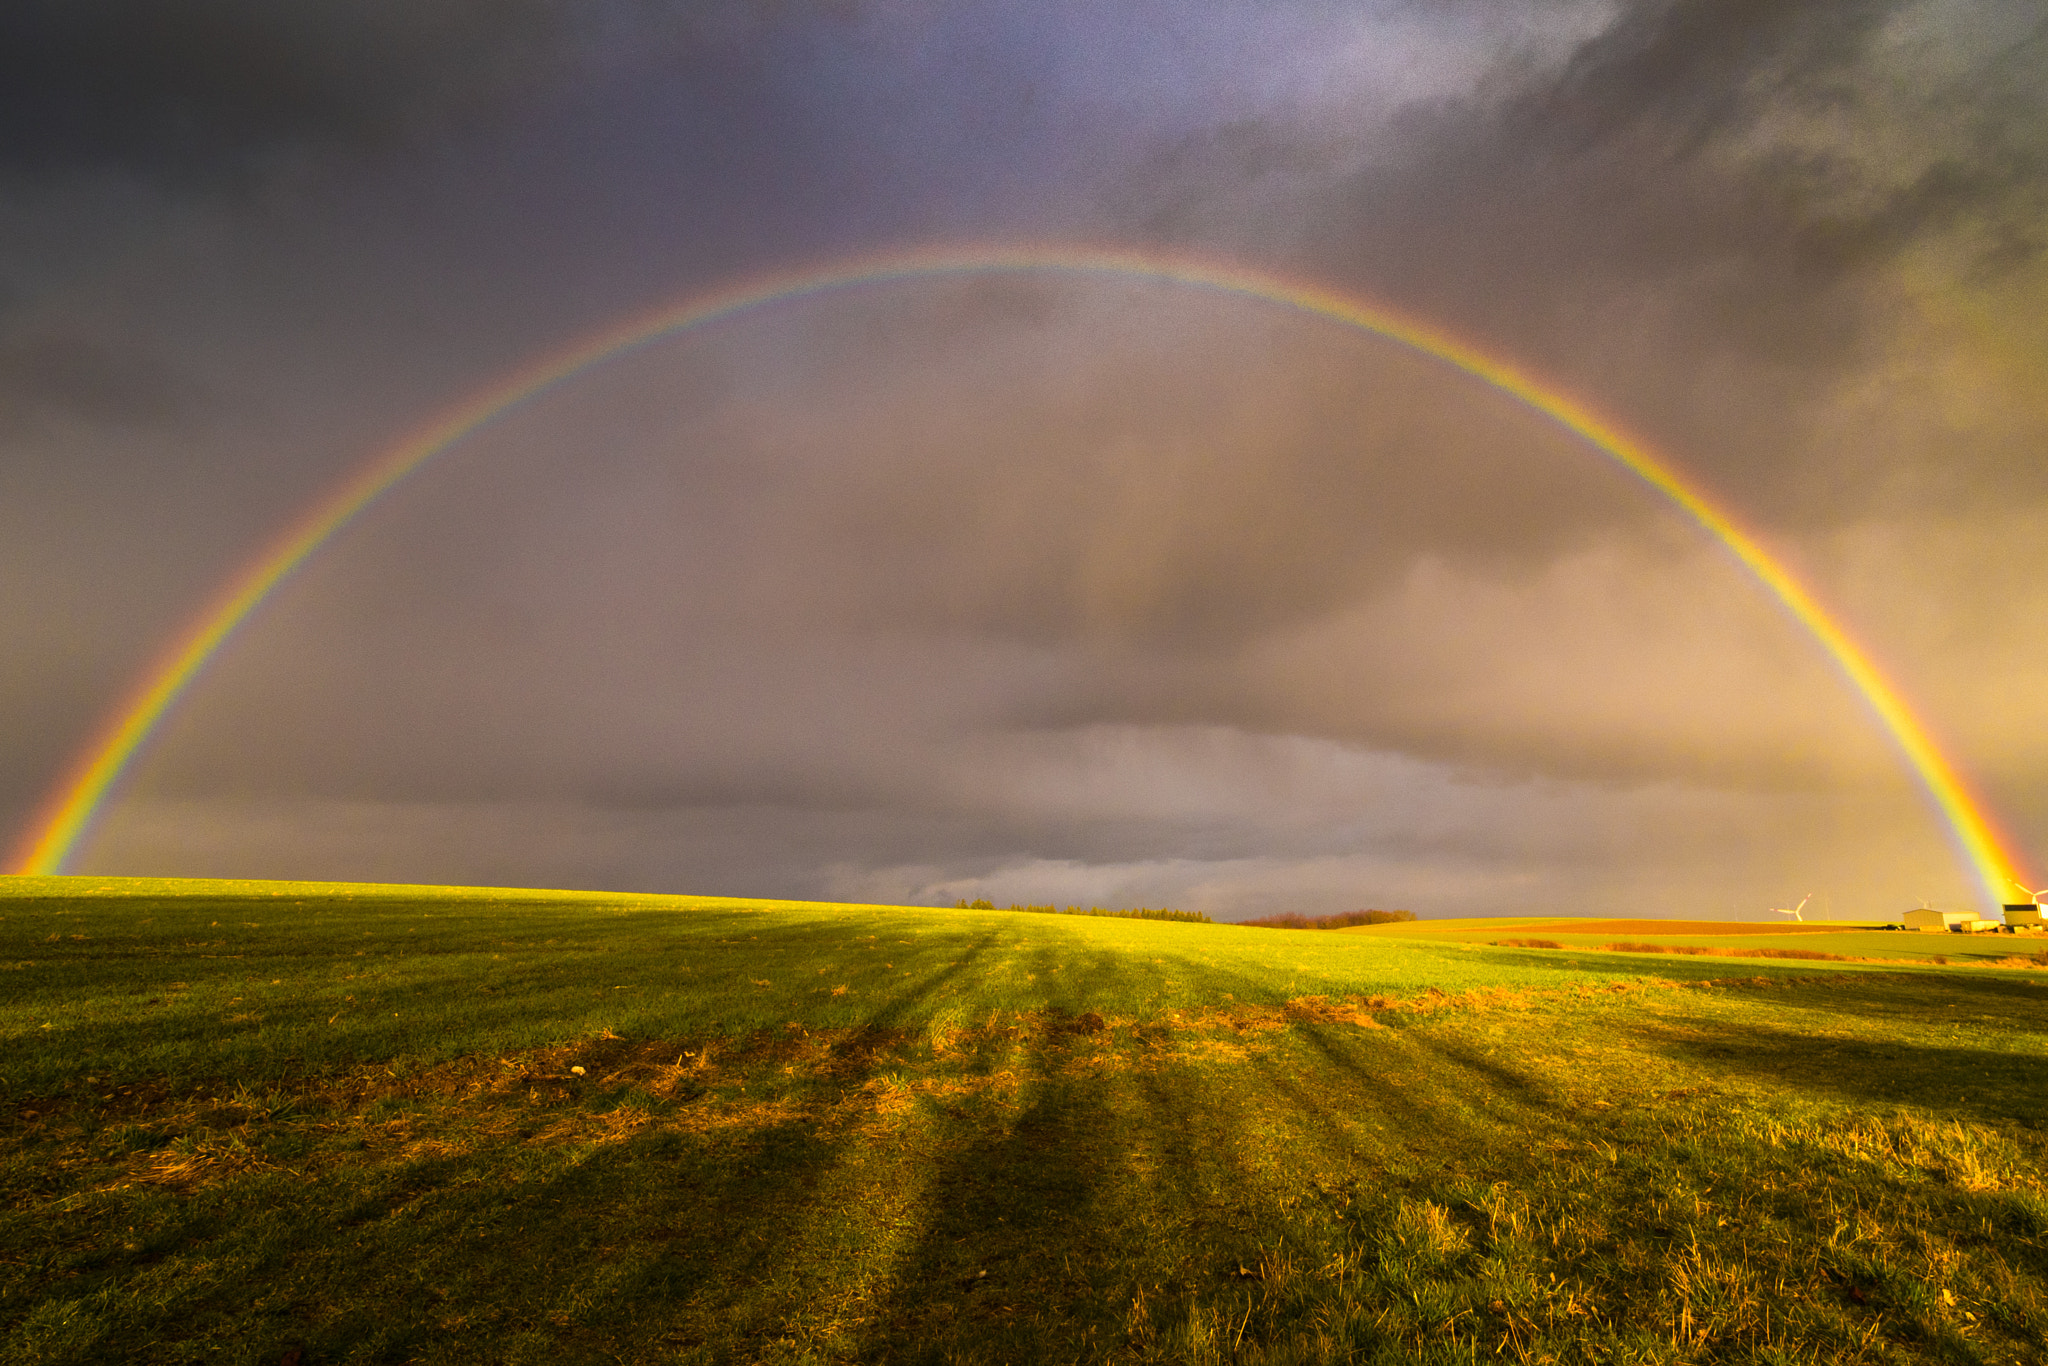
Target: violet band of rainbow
(71,809)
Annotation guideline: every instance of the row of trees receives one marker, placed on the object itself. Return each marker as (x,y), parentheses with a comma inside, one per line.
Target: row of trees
(1290,920)
(1131,913)
(1286,920)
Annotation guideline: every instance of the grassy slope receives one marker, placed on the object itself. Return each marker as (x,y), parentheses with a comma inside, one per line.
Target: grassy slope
(348,1120)
(270,982)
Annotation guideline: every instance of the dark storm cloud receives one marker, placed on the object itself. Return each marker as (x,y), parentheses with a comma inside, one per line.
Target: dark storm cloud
(72,376)
(1682,82)
(209,88)
(1693,219)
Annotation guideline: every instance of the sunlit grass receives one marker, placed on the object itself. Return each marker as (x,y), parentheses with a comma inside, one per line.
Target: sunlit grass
(284,976)
(392,1126)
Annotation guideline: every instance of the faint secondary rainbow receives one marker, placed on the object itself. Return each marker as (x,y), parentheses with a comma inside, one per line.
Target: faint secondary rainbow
(72,807)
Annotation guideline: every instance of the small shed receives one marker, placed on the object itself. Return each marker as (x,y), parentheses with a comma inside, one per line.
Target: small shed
(1947,922)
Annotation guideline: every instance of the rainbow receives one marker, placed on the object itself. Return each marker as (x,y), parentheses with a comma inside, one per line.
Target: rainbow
(73,805)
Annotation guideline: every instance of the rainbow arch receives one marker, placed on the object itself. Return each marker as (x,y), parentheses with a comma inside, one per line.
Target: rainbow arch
(71,808)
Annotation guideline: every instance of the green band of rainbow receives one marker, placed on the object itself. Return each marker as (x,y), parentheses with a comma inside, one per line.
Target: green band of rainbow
(73,805)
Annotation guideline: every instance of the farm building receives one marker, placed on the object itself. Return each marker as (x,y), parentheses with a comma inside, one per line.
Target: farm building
(2026,917)
(1948,922)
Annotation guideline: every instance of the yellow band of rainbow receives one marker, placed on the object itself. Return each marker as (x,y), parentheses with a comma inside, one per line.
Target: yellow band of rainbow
(69,812)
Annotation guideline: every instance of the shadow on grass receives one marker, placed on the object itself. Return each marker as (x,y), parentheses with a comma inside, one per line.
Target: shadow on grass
(1008,1200)
(1928,998)
(651,1243)
(1004,1214)
(1980,1084)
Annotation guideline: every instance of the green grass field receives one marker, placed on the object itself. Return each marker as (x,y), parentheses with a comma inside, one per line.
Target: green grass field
(243,1121)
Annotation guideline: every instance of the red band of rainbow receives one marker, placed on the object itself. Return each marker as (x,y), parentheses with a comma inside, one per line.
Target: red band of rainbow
(69,813)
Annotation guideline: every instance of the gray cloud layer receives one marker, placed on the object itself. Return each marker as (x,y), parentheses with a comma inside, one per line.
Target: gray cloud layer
(209,91)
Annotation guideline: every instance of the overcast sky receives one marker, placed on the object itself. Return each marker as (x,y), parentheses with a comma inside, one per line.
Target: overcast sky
(1042,589)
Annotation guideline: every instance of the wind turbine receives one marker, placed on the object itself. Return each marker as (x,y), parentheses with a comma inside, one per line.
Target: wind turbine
(2032,892)
(1793,911)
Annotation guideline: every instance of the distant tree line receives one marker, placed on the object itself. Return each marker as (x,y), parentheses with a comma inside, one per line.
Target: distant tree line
(1132,913)
(1292,920)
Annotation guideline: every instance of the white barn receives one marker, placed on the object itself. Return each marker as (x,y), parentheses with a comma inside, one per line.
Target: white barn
(1948,922)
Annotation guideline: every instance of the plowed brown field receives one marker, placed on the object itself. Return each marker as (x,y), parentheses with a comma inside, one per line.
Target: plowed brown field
(1683,927)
